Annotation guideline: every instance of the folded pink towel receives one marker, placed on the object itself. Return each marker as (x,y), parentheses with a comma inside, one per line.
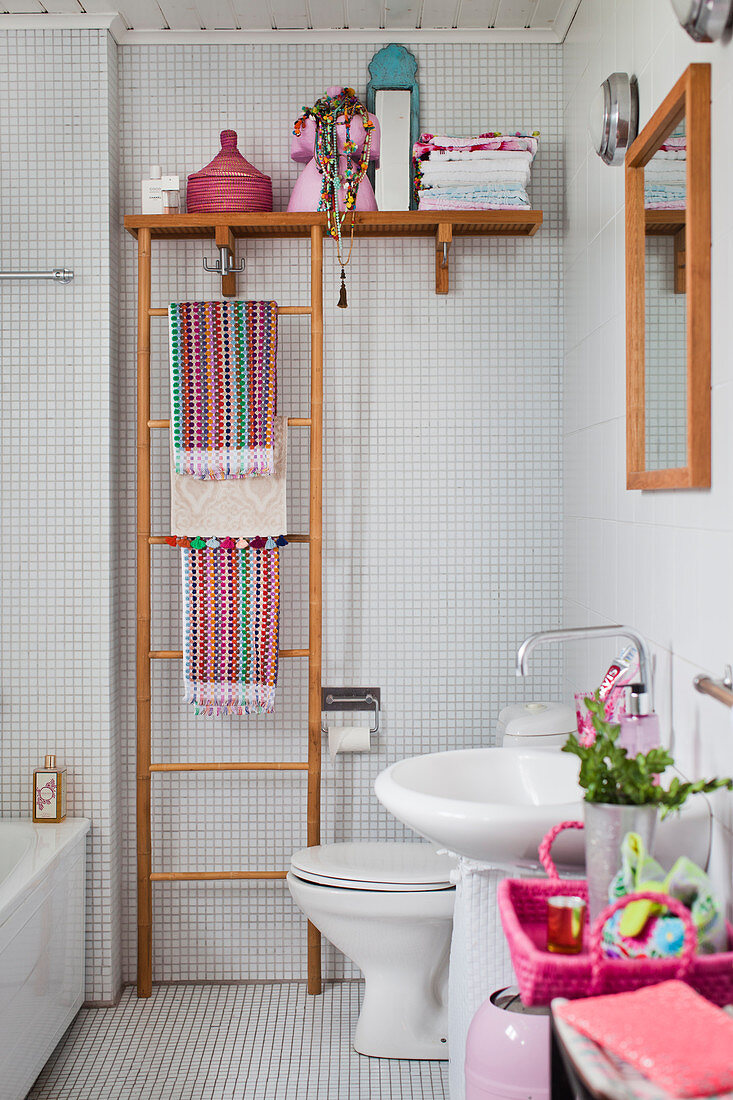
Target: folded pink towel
(668,1032)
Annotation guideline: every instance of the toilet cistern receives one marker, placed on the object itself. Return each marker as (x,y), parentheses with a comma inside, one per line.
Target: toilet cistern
(574,633)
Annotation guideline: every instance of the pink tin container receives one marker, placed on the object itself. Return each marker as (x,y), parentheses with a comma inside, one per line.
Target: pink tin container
(508,1050)
(229,184)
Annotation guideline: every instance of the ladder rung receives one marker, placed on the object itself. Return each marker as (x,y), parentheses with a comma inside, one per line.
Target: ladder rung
(286,311)
(293,422)
(192,876)
(159,540)
(236,766)
(177,654)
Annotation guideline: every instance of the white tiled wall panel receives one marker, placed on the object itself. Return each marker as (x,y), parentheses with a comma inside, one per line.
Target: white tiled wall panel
(442,488)
(665,359)
(660,561)
(60,399)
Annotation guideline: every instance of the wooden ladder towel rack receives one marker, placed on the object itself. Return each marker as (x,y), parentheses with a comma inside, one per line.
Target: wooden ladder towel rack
(153,227)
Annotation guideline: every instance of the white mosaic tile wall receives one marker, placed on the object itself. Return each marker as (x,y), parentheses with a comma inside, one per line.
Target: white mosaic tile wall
(442,490)
(60,396)
(665,363)
(660,561)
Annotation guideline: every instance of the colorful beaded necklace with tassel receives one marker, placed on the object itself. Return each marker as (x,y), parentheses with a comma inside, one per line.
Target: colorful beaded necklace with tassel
(326,113)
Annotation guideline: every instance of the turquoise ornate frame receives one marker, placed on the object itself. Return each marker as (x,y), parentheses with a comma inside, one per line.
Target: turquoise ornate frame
(392,68)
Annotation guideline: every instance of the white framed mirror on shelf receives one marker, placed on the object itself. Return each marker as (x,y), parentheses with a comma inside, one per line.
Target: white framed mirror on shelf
(393,96)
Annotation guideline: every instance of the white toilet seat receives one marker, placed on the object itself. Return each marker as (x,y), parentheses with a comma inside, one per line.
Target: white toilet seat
(389,908)
(381,866)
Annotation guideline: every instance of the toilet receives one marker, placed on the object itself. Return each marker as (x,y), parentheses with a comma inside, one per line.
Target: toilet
(535,725)
(389,908)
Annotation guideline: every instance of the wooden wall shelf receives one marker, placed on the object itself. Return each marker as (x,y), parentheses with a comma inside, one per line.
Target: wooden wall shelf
(663,223)
(408,223)
(441,226)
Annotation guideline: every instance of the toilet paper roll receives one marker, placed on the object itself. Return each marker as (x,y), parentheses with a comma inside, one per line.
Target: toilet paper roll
(349,739)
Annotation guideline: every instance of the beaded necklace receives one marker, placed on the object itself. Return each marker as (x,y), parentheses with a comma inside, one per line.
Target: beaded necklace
(326,113)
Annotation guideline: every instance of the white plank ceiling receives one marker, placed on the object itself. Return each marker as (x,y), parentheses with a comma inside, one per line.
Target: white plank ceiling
(549,16)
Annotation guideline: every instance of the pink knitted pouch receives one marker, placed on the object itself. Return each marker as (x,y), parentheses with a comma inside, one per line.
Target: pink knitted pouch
(668,1032)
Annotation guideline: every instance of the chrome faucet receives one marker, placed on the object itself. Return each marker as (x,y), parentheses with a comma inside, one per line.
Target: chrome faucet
(572,633)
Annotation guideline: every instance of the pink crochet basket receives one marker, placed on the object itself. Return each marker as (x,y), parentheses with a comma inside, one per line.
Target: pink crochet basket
(542,975)
(229,184)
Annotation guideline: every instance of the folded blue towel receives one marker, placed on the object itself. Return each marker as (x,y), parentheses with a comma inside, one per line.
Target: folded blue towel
(658,192)
(486,192)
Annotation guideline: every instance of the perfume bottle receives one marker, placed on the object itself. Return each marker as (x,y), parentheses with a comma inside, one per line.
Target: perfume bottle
(154,192)
(49,792)
(171,198)
(640,725)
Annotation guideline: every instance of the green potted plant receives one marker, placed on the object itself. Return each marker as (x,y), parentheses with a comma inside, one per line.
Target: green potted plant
(622,794)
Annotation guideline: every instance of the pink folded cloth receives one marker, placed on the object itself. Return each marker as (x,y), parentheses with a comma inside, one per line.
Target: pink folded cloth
(492,140)
(668,1032)
(454,204)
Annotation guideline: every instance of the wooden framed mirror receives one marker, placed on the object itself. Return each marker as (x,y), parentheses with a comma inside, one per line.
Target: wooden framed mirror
(668,292)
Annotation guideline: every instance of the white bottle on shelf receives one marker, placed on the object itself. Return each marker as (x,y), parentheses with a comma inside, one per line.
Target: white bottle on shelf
(160,194)
(152,191)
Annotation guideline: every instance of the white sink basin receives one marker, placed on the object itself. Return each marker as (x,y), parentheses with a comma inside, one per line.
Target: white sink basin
(496,804)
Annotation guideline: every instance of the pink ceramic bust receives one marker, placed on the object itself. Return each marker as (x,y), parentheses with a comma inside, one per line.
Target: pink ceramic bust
(307,191)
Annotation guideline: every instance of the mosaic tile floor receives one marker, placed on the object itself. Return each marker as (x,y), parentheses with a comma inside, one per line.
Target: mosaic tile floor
(253,1041)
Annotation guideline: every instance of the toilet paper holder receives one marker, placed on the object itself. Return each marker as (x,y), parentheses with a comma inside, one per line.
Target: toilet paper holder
(345,698)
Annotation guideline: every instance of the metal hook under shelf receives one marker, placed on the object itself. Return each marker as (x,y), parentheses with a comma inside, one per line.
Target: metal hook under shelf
(722,690)
(224,266)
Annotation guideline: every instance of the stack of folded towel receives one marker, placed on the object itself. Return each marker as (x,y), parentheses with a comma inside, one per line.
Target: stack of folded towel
(665,176)
(487,172)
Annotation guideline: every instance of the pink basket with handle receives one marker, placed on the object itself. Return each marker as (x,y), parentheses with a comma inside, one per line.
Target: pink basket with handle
(542,975)
(229,183)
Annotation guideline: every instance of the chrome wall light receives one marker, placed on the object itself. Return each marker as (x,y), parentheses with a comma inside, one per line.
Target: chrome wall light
(613,118)
(704,20)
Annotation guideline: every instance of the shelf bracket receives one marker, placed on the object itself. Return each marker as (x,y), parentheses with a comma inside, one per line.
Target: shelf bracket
(680,260)
(443,241)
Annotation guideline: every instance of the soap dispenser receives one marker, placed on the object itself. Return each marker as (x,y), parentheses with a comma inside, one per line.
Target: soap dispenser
(49,792)
(640,725)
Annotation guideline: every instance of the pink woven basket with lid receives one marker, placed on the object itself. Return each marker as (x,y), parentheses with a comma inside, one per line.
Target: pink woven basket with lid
(542,975)
(229,184)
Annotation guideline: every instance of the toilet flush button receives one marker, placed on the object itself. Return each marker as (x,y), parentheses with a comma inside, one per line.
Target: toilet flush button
(535,708)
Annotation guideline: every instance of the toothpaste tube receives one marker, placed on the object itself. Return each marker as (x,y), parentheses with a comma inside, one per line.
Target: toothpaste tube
(624,670)
(621,672)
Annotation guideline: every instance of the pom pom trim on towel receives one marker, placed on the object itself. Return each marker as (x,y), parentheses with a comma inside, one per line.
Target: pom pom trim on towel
(260,542)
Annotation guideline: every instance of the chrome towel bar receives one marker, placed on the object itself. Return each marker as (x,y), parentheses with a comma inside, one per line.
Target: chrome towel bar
(59,275)
(722,690)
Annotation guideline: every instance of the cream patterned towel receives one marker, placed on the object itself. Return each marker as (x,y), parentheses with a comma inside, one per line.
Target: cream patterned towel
(241,507)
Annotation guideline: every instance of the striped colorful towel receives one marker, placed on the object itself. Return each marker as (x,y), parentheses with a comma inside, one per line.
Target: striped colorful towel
(223,388)
(231,601)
